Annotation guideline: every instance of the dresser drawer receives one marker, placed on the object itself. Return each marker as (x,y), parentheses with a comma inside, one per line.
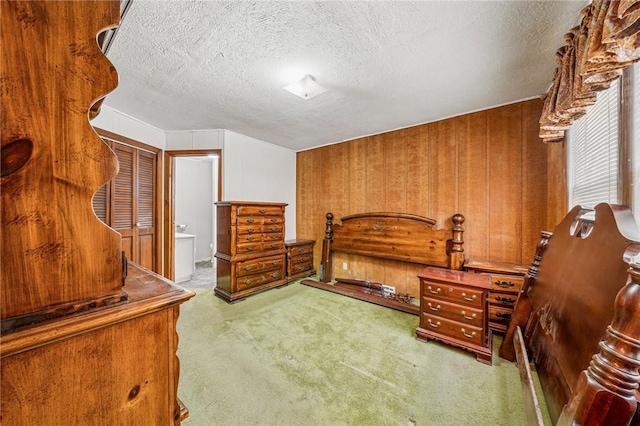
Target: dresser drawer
(467,296)
(298,250)
(453,311)
(259,211)
(249,238)
(249,220)
(272,227)
(504,299)
(300,267)
(464,332)
(251,247)
(308,258)
(273,245)
(252,266)
(275,236)
(255,280)
(249,229)
(510,283)
(499,315)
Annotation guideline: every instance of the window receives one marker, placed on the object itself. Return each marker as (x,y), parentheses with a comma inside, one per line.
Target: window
(593,152)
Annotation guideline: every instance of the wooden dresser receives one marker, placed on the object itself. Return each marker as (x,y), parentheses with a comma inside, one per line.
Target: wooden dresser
(453,310)
(251,254)
(87,338)
(299,259)
(506,281)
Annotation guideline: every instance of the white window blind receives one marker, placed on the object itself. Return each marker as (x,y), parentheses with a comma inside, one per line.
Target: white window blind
(593,152)
(635,140)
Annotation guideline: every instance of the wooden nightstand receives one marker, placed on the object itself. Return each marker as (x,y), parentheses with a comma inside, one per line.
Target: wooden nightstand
(506,281)
(453,310)
(299,259)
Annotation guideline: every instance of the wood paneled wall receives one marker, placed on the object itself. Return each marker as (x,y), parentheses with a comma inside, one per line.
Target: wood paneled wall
(489,165)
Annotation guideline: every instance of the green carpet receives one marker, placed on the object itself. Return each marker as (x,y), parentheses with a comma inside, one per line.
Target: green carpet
(303,356)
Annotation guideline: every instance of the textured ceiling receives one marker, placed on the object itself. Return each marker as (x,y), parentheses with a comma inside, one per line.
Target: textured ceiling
(187,65)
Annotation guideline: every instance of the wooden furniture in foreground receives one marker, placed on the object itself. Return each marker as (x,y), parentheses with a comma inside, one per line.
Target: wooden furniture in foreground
(578,316)
(251,251)
(454,310)
(506,281)
(87,338)
(110,365)
(396,236)
(299,259)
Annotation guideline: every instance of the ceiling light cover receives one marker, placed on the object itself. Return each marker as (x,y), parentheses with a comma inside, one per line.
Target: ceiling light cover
(306,88)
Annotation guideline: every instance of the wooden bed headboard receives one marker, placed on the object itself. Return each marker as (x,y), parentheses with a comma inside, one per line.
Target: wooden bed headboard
(395,236)
(580,312)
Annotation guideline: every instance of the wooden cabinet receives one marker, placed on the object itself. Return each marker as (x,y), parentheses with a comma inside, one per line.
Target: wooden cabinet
(506,281)
(453,310)
(110,366)
(87,338)
(299,259)
(251,251)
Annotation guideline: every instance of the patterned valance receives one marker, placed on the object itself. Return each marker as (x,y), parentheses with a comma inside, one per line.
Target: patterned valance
(606,41)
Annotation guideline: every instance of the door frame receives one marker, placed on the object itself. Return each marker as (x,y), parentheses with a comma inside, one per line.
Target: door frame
(157,204)
(169,196)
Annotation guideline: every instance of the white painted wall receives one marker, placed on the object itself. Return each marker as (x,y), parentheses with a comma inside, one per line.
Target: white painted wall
(254,170)
(132,128)
(194,201)
(195,139)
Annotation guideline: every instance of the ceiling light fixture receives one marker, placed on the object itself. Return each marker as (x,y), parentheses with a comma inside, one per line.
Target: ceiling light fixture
(306,88)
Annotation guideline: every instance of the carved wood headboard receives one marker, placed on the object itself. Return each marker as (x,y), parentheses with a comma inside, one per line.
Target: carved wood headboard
(581,316)
(395,236)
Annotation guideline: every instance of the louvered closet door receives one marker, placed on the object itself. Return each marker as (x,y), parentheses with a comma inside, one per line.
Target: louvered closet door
(145,212)
(124,192)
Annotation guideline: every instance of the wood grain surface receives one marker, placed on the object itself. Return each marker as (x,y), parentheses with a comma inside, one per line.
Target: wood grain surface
(486,165)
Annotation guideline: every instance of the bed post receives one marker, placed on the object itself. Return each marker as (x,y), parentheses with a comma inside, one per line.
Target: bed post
(325,263)
(605,391)
(522,309)
(457,251)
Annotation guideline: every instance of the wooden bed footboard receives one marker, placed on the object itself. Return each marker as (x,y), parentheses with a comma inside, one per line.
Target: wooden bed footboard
(577,318)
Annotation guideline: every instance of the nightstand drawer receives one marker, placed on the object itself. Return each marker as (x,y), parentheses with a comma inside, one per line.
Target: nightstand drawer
(250,267)
(500,315)
(454,329)
(465,295)
(251,281)
(260,211)
(453,311)
(510,283)
(507,300)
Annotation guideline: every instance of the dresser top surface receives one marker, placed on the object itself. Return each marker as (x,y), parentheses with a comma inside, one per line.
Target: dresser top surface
(296,242)
(249,203)
(496,266)
(455,277)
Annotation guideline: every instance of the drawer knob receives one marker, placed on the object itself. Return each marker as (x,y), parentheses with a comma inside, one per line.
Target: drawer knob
(470,299)
(249,238)
(274,228)
(250,230)
(274,245)
(249,220)
(274,275)
(435,309)
(469,317)
(436,291)
(434,324)
(275,262)
(470,336)
(504,284)
(505,299)
(262,211)
(248,268)
(248,282)
(273,219)
(250,248)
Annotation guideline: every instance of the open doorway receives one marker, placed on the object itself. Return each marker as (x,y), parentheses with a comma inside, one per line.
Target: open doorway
(193,182)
